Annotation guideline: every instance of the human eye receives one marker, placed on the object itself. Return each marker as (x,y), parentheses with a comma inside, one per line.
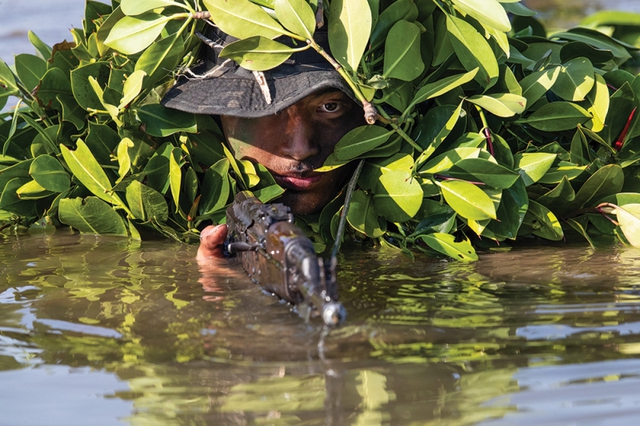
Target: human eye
(330,107)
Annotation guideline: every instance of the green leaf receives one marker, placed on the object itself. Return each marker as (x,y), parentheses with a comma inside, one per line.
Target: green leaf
(580,226)
(402,57)
(580,152)
(9,200)
(473,51)
(93,12)
(575,80)
(146,203)
(628,217)
(442,86)
(556,117)
(447,159)
(248,170)
(533,165)
(599,98)
(258,53)
(32,191)
(363,217)
(479,169)
(72,112)
(17,170)
(511,212)
(132,88)
(349,30)
(467,200)
(111,109)
(397,196)
(160,59)
(606,181)
(157,172)
(216,188)
(124,161)
(396,11)
(562,170)
(500,104)
(374,169)
(102,140)
(161,121)
(596,39)
(91,216)
(447,245)
(296,16)
(137,7)
(131,35)
(86,169)
(359,141)
(30,69)
(175,176)
(559,198)
(8,79)
(49,173)
(43,48)
(543,222)
(442,134)
(54,83)
(243,19)
(575,49)
(268,193)
(106,27)
(487,12)
(536,84)
(83,91)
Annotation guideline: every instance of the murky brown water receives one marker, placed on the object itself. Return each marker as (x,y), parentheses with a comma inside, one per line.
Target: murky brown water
(98,329)
(104,331)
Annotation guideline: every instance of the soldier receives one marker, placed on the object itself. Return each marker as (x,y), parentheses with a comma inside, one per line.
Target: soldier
(288,119)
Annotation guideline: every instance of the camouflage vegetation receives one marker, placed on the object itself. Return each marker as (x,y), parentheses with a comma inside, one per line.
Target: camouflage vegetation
(485,129)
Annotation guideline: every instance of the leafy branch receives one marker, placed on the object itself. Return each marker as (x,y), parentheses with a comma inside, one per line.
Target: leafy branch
(483,128)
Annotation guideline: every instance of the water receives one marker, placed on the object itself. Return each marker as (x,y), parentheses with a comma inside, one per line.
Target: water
(48,19)
(106,331)
(136,333)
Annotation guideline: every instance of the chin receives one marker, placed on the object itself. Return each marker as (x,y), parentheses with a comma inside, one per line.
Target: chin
(301,203)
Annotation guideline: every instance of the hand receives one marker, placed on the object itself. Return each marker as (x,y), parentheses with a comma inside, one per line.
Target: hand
(211,242)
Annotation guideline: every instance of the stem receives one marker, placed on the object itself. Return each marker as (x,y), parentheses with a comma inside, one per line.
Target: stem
(370,113)
(620,141)
(385,119)
(486,130)
(200,15)
(345,209)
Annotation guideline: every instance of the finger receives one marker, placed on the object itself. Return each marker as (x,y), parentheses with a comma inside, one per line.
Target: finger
(211,242)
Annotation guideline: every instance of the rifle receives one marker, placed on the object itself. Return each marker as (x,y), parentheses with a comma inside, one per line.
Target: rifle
(278,256)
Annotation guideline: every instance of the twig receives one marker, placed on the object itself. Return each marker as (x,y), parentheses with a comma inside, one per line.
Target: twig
(345,209)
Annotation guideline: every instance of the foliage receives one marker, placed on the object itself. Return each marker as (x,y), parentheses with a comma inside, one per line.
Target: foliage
(488,129)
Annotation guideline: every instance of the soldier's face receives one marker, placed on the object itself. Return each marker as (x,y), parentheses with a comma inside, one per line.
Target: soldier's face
(295,142)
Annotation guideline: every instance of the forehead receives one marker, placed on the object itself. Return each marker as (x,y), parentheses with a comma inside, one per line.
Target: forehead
(328,92)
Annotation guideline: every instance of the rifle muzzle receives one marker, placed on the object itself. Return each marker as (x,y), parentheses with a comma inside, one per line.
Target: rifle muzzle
(333,314)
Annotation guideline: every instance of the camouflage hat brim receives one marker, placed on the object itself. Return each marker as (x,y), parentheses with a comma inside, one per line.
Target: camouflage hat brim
(221,87)
(239,94)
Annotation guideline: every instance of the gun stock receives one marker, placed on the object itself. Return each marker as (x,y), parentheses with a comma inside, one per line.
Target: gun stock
(278,256)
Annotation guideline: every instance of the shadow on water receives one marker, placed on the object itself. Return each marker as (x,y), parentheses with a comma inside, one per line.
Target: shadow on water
(138,332)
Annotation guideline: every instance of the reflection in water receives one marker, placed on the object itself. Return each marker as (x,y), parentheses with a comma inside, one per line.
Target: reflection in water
(107,331)
(142,329)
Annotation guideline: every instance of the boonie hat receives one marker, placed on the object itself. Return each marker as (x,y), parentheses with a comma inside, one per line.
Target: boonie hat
(219,86)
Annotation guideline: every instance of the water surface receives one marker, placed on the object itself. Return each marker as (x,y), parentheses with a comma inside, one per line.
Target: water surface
(107,331)
(135,333)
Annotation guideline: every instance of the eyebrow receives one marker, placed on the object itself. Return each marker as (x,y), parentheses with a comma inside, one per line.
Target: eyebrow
(329,91)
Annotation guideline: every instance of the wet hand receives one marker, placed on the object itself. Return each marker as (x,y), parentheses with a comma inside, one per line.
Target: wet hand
(211,242)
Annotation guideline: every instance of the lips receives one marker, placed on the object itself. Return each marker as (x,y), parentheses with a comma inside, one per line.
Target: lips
(297,183)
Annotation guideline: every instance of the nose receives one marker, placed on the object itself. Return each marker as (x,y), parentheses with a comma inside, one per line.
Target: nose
(300,140)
